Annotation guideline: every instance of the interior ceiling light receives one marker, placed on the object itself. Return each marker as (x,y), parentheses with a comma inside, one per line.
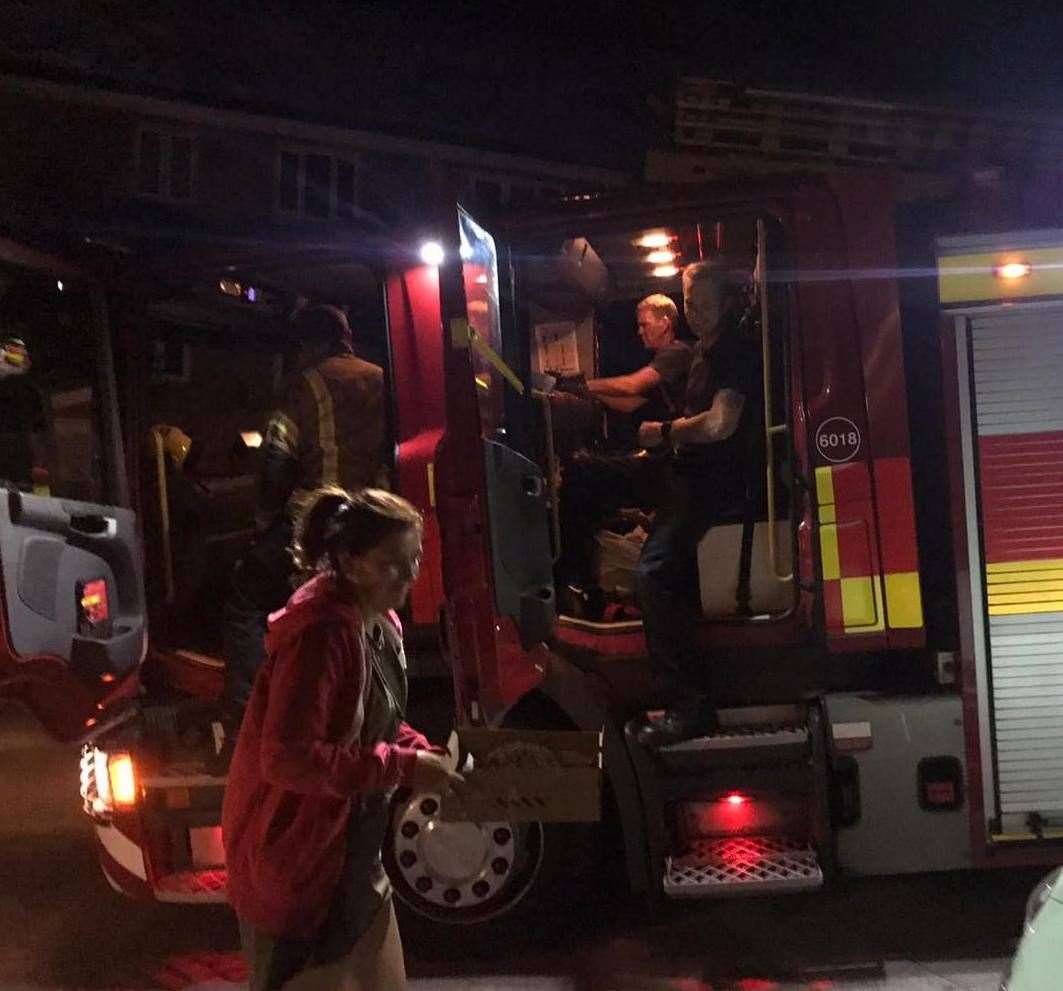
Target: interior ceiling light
(1010,271)
(655,239)
(665,271)
(660,257)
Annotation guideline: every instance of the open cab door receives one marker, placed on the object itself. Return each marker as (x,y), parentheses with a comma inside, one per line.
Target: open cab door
(72,627)
(492,499)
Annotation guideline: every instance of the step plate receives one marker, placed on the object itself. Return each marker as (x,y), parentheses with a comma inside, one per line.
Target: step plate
(193,886)
(718,868)
(741,739)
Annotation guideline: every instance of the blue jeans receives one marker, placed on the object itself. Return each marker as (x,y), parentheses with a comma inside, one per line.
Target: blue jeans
(668,587)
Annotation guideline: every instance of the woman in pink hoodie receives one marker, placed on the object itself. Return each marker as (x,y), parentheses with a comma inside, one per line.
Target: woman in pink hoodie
(321,749)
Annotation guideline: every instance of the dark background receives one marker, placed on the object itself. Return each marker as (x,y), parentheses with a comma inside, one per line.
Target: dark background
(587,82)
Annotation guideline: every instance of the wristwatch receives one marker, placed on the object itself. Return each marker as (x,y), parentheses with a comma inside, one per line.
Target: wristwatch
(666,431)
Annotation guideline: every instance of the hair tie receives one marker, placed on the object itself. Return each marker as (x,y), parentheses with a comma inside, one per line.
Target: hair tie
(337,522)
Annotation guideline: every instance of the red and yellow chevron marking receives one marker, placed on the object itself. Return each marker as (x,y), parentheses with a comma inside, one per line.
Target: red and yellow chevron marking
(1021,482)
(862,593)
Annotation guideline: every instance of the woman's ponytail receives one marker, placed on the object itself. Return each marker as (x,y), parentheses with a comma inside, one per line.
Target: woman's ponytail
(333,520)
(315,521)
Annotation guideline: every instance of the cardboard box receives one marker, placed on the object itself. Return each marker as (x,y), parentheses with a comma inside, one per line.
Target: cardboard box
(530,776)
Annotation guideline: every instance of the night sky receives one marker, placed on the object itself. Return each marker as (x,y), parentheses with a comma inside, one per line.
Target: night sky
(578,82)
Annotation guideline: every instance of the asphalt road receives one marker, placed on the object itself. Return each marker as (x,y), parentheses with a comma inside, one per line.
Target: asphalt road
(61,926)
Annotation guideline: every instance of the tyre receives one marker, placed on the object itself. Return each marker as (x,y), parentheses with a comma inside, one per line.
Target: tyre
(459,884)
(462,875)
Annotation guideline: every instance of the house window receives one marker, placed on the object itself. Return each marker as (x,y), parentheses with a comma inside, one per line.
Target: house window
(316,185)
(493,192)
(165,164)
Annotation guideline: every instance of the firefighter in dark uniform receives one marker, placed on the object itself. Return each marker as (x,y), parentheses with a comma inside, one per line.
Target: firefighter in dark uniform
(596,485)
(330,429)
(710,466)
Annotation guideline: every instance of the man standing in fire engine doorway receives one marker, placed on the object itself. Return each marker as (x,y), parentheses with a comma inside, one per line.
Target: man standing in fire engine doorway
(330,429)
(596,485)
(709,471)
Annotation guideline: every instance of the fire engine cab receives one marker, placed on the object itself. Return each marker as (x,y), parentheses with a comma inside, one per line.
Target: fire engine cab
(881,623)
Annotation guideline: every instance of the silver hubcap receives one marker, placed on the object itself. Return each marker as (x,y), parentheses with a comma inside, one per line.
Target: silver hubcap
(452,865)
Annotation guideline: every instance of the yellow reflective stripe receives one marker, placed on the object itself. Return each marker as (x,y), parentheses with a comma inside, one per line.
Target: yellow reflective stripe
(828,552)
(1044,834)
(828,514)
(463,336)
(492,357)
(970,278)
(1054,584)
(1015,588)
(862,604)
(904,603)
(1027,608)
(824,487)
(326,427)
(282,430)
(1048,564)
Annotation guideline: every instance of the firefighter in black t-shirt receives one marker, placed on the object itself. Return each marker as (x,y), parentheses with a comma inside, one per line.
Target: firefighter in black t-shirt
(708,485)
(657,389)
(596,485)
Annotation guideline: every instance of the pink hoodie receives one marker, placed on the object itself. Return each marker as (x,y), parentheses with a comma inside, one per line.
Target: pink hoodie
(293,773)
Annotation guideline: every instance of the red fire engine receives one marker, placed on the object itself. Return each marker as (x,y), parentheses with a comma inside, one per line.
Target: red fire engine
(882,632)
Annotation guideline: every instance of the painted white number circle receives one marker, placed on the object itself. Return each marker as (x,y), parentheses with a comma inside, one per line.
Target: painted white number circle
(838,439)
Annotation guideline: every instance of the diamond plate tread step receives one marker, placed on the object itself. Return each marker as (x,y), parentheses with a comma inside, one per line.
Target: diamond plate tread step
(739,865)
(742,738)
(193,886)
(747,747)
(203,968)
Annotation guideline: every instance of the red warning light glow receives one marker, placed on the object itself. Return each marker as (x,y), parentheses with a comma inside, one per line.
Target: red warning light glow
(736,799)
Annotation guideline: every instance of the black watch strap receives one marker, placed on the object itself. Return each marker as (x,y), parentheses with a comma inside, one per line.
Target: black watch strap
(666,431)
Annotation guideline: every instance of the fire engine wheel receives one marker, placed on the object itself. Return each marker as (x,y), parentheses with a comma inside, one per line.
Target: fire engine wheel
(460,874)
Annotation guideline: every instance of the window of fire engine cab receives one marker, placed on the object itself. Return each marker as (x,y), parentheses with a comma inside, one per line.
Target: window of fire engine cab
(479,267)
(583,316)
(48,397)
(215,363)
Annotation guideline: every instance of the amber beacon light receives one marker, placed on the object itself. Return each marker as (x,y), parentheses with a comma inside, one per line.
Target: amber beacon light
(1012,271)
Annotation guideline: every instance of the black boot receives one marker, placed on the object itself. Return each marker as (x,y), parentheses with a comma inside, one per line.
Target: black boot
(682,721)
(587,602)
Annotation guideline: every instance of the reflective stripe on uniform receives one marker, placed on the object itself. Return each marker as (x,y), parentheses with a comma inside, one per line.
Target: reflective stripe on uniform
(281,432)
(326,427)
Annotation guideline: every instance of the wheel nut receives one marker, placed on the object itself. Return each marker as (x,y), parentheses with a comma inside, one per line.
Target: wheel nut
(451,896)
(502,836)
(410,829)
(407,858)
(429,807)
(481,889)
(500,865)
